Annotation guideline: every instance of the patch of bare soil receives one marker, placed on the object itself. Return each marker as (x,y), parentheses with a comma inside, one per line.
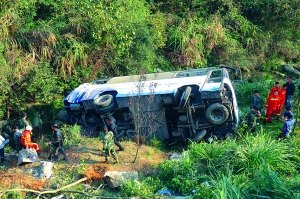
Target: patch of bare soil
(18,179)
(147,159)
(146,162)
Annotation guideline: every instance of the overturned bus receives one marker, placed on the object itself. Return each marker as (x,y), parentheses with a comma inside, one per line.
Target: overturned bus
(194,104)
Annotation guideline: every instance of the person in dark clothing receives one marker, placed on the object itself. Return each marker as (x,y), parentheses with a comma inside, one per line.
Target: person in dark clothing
(256,101)
(17,138)
(287,126)
(111,125)
(23,122)
(288,110)
(57,144)
(290,90)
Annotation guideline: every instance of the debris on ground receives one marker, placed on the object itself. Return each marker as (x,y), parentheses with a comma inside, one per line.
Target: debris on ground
(41,170)
(27,156)
(95,172)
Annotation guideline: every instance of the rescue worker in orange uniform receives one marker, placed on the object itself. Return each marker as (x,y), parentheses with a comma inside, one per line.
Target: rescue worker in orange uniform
(272,105)
(26,139)
(282,94)
(276,87)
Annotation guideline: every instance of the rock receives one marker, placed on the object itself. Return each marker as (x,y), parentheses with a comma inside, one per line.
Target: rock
(45,170)
(176,156)
(290,69)
(27,156)
(115,178)
(41,170)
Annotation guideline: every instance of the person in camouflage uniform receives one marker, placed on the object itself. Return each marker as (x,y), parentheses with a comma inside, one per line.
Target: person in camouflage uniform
(254,112)
(251,119)
(108,145)
(57,144)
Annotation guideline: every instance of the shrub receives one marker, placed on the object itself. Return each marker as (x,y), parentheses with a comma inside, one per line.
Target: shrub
(43,85)
(72,134)
(144,189)
(180,175)
(8,149)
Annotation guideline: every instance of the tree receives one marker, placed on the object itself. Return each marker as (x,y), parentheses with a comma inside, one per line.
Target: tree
(144,116)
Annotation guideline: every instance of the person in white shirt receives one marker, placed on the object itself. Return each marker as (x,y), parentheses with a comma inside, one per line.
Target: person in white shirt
(3,142)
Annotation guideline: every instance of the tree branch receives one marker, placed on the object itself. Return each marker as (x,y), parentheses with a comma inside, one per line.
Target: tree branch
(48,191)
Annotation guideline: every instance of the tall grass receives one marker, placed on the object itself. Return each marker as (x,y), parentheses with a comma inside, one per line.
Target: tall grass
(246,88)
(226,189)
(266,183)
(213,158)
(256,151)
(251,166)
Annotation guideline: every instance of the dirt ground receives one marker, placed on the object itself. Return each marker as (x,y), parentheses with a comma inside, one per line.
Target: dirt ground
(89,154)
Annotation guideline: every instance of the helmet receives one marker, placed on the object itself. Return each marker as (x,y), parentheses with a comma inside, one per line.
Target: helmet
(28,128)
(55,125)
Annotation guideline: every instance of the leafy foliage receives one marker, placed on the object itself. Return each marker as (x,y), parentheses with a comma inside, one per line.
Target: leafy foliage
(72,135)
(76,41)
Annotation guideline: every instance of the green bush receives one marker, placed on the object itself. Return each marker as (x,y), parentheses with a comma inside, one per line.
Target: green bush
(14,194)
(273,64)
(225,188)
(213,158)
(43,85)
(145,189)
(72,134)
(180,175)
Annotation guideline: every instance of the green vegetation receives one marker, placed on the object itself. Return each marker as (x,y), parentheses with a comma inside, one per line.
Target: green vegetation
(48,47)
(72,135)
(248,167)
